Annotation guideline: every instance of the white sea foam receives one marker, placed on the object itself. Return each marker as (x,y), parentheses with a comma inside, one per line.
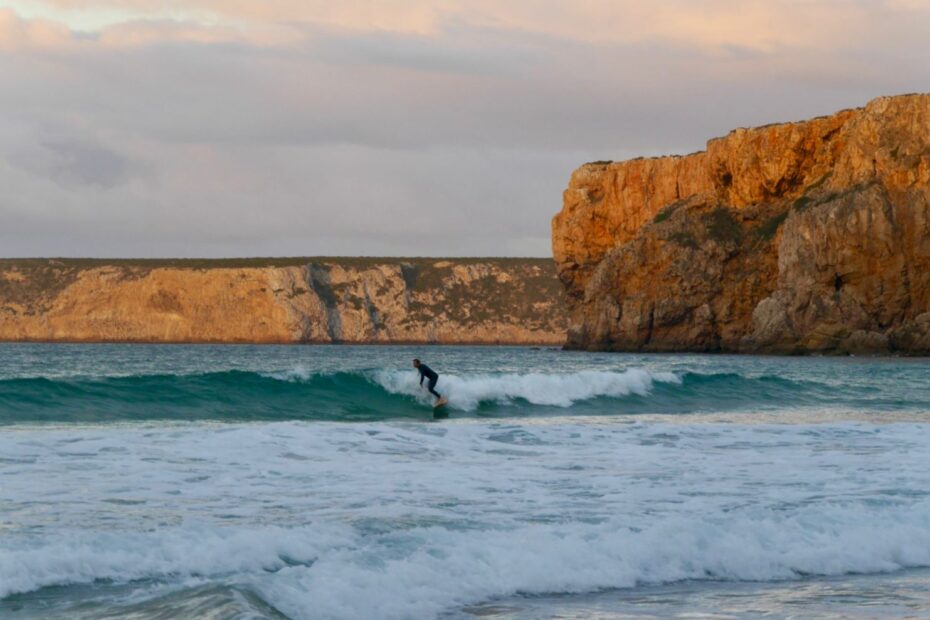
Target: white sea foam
(451,568)
(559,390)
(194,550)
(420,572)
(399,520)
(298,373)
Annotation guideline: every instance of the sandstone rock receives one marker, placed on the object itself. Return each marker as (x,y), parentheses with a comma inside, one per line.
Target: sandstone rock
(511,301)
(789,238)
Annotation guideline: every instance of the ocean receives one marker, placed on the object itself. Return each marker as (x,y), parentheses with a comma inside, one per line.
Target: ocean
(266,482)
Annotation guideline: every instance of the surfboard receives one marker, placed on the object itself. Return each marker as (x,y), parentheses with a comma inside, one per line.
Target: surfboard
(439,409)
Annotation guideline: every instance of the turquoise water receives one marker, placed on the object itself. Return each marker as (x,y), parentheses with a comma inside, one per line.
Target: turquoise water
(109,383)
(312,482)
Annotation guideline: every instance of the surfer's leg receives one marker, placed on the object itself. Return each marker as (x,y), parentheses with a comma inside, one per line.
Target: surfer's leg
(430,386)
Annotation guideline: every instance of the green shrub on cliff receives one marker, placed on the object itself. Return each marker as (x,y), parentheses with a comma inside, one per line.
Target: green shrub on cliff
(769,227)
(721,227)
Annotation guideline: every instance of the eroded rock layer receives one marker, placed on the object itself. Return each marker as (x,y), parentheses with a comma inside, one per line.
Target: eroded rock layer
(357,300)
(790,238)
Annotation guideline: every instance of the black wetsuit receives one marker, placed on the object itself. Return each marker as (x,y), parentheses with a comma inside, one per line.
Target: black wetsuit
(430,374)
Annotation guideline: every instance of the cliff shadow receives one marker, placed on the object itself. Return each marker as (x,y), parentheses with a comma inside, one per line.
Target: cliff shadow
(320,282)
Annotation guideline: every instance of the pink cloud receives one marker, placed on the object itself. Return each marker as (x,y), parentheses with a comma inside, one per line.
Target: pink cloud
(763,25)
(16,32)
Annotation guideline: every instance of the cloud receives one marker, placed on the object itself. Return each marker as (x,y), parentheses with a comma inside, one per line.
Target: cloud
(17,33)
(207,127)
(71,162)
(754,24)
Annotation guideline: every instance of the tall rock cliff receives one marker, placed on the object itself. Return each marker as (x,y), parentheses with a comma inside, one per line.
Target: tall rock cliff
(789,238)
(291,300)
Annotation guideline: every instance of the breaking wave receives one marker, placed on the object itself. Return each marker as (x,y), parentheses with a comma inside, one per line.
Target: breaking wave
(337,573)
(372,395)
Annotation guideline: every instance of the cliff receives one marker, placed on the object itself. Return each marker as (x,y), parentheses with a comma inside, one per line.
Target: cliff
(287,300)
(790,238)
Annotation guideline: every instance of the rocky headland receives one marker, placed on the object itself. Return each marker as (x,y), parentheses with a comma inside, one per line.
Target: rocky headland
(323,300)
(799,237)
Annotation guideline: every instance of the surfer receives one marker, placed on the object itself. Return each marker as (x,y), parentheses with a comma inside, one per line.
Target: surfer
(431,376)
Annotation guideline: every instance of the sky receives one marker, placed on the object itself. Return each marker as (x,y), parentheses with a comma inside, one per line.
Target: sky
(211,128)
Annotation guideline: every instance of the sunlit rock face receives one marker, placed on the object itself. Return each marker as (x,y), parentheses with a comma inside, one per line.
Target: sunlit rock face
(789,238)
(512,301)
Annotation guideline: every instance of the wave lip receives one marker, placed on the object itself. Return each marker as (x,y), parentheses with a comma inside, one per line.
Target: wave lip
(553,390)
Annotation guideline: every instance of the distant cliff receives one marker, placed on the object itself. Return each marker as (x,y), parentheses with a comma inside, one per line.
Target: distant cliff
(282,300)
(790,238)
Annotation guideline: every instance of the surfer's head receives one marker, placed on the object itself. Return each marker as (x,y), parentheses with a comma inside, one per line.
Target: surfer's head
(416,363)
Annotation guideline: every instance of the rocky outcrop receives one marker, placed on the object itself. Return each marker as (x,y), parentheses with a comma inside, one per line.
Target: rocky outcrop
(790,238)
(515,301)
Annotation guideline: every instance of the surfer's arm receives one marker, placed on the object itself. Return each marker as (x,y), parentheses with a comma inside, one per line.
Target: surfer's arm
(421,379)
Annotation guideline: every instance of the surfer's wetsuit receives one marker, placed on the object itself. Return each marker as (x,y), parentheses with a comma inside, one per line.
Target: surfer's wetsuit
(428,373)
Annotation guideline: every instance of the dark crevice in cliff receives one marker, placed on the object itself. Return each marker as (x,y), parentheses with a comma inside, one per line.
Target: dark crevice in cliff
(320,282)
(650,325)
(831,134)
(409,273)
(374,317)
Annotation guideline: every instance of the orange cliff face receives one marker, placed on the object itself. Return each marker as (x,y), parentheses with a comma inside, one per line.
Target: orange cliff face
(796,237)
(513,301)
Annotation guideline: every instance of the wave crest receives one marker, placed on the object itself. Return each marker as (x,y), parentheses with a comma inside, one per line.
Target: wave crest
(553,390)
